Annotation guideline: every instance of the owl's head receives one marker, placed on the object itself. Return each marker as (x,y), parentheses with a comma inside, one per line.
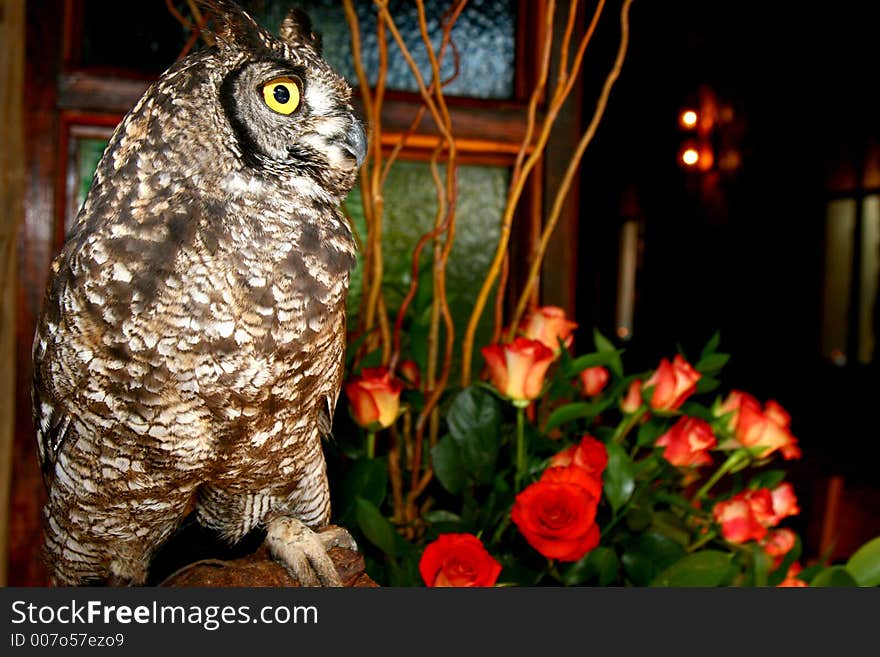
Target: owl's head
(290,113)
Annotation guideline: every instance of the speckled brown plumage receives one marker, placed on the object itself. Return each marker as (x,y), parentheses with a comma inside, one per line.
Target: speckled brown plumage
(191,342)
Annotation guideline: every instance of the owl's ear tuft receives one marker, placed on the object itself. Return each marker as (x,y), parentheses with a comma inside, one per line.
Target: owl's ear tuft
(232,25)
(296,29)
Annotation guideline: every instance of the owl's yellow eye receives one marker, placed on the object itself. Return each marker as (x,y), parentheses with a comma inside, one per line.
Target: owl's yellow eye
(282,95)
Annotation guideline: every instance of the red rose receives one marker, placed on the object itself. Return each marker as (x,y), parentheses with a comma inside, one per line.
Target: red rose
(738,521)
(673,383)
(594,380)
(458,560)
(589,455)
(753,426)
(517,368)
(557,514)
(374,398)
(633,399)
(687,442)
(548,325)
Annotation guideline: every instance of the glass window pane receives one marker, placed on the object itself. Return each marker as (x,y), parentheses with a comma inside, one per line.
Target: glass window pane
(839,226)
(410,207)
(484,34)
(870,273)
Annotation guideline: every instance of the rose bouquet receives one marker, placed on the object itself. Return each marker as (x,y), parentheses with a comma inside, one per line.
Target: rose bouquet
(556,469)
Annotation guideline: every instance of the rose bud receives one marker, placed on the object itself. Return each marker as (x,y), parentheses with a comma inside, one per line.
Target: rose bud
(409,372)
(687,443)
(633,399)
(738,521)
(673,383)
(458,560)
(594,380)
(557,514)
(517,368)
(590,455)
(548,325)
(374,398)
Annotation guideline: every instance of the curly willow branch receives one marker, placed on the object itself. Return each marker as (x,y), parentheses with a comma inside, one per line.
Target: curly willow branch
(574,163)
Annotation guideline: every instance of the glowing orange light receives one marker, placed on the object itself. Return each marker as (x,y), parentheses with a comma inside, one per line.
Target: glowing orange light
(688,119)
(690,156)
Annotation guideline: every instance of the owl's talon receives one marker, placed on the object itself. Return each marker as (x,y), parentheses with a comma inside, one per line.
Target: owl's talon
(303,551)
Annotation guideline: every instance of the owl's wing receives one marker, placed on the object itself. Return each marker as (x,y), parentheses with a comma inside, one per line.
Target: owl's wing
(51,422)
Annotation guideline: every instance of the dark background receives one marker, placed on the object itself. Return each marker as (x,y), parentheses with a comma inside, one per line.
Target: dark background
(741,254)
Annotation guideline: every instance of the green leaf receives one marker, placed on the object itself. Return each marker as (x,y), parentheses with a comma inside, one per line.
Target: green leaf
(603,344)
(707,384)
(760,565)
(474,420)
(834,576)
(440,515)
(367,478)
(447,465)
(574,411)
(599,358)
(600,564)
(711,346)
(704,568)
(376,527)
(619,476)
(711,363)
(648,556)
(649,432)
(864,564)
(767,479)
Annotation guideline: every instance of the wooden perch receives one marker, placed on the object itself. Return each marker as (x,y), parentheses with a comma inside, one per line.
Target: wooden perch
(260,570)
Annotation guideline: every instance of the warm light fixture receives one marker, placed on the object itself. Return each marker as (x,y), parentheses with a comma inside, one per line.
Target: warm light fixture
(690,157)
(688,119)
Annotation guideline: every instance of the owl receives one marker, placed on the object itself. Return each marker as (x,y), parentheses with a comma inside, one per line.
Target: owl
(189,352)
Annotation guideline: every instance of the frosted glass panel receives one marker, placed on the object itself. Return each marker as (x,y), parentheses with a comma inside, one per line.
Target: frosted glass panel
(839,226)
(870,273)
(410,206)
(484,34)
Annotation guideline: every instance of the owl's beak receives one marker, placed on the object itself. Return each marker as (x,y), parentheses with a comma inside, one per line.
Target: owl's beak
(356,142)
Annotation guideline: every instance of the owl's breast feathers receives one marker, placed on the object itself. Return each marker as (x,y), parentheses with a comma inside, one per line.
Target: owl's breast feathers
(236,300)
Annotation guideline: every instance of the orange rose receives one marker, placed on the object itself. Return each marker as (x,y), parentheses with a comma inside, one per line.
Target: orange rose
(594,380)
(738,521)
(409,372)
(517,368)
(548,325)
(778,543)
(633,399)
(458,560)
(687,443)
(374,398)
(766,428)
(557,514)
(589,455)
(791,578)
(784,502)
(673,383)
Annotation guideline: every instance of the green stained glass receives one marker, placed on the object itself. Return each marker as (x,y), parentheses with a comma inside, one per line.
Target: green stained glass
(410,208)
